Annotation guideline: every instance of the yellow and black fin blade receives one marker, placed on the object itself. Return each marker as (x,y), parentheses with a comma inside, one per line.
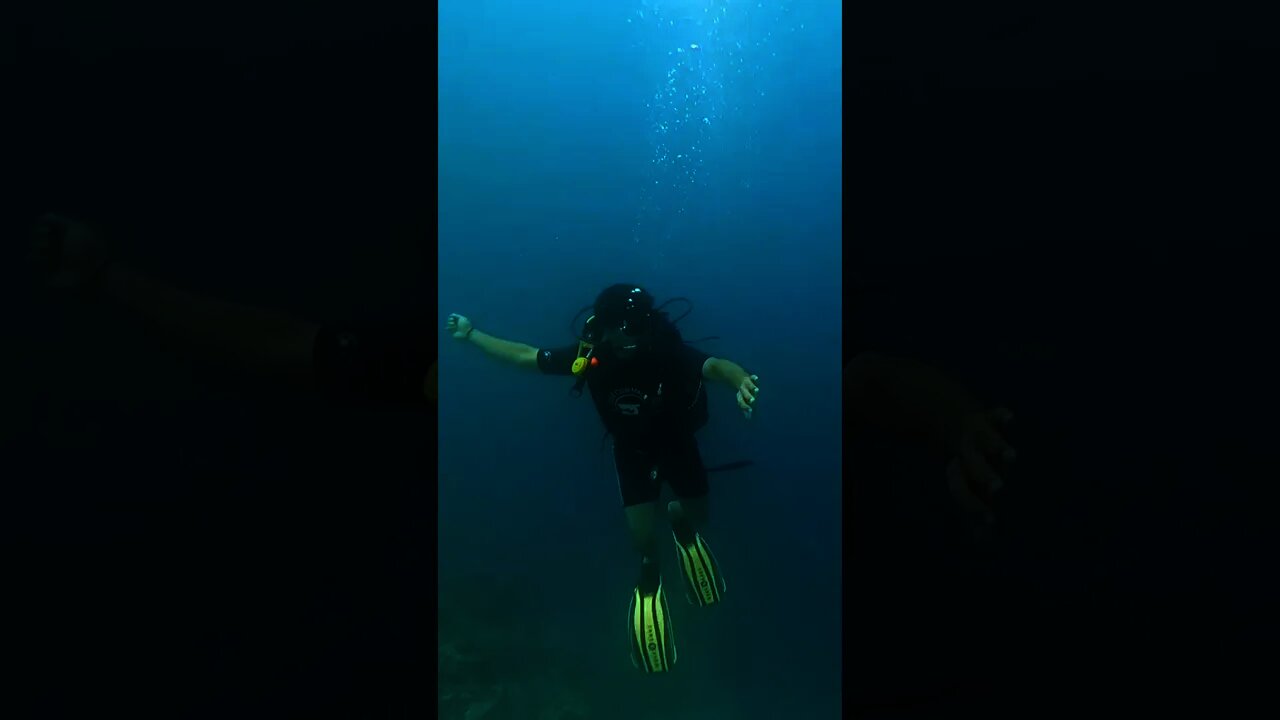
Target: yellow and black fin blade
(703,581)
(653,644)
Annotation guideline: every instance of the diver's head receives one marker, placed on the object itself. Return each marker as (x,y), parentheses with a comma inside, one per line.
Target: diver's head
(623,319)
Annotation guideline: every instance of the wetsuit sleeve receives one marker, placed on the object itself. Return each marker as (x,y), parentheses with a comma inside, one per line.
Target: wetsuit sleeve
(693,359)
(384,366)
(557,361)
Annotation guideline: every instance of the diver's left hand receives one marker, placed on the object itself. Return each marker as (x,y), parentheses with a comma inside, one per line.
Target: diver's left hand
(747,390)
(982,461)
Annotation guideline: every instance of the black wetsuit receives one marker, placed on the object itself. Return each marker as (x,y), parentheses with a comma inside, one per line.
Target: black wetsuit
(652,405)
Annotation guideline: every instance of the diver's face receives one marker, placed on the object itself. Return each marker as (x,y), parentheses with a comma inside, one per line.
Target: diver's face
(622,345)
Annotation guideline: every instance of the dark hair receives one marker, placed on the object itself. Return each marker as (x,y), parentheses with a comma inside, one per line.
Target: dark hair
(628,308)
(627,305)
(617,301)
(666,335)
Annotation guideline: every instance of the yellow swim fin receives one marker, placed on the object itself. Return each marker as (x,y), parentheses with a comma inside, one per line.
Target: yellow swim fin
(703,581)
(653,644)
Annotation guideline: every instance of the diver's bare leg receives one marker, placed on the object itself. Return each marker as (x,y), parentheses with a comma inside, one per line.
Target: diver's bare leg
(640,522)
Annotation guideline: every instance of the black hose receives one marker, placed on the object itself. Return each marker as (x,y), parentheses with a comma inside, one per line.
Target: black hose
(685,300)
(735,465)
(573,324)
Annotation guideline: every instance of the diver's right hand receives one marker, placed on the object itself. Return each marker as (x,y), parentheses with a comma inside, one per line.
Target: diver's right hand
(459,325)
(66,254)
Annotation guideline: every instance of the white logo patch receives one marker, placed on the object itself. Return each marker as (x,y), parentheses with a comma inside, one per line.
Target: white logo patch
(627,401)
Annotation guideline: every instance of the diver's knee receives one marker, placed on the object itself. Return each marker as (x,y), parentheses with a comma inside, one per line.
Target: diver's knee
(695,511)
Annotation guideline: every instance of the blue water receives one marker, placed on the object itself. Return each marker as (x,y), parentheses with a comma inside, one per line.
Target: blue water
(694,148)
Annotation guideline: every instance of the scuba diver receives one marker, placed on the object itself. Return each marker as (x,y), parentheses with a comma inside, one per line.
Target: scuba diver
(649,388)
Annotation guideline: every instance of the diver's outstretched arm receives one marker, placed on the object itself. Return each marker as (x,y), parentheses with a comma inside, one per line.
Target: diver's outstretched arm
(516,353)
(732,374)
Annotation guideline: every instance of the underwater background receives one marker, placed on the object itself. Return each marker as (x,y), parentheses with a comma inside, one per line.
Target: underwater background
(693,148)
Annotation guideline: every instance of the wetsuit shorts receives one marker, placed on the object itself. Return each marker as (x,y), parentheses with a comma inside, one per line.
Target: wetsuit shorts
(643,468)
